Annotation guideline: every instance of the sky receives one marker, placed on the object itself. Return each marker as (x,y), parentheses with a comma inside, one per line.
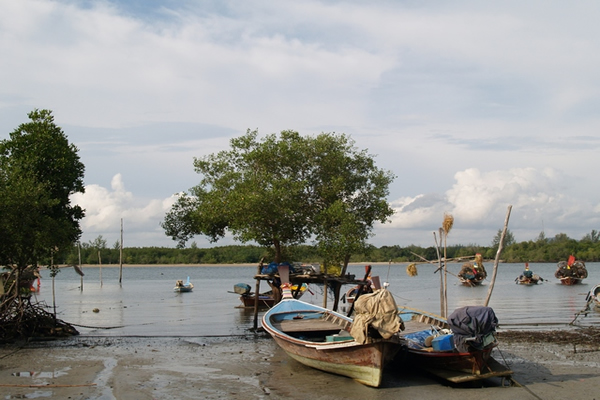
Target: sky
(474,106)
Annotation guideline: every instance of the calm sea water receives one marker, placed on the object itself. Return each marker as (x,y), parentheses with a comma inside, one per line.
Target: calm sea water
(144,304)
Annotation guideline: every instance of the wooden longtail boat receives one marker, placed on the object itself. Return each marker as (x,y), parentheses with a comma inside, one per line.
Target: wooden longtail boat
(266,299)
(473,274)
(523,280)
(571,272)
(320,338)
(434,345)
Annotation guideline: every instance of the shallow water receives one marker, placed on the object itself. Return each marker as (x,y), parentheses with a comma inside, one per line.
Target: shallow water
(146,305)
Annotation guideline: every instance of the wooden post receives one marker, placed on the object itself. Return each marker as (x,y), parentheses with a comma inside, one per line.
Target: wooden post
(256,293)
(442,289)
(81,276)
(336,295)
(360,289)
(100,263)
(497,260)
(121,255)
(324,285)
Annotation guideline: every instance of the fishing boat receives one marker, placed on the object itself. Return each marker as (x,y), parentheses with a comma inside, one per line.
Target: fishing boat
(265,299)
(470,275)
(457,349)
(571,272)
(593,297)
(181,286)
(534,280)
(528,278)
(332,342)
(473,274)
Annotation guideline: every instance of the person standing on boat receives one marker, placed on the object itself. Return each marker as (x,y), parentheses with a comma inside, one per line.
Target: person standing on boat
(527,273)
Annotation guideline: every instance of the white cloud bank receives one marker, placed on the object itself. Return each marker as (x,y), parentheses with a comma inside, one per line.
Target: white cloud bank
(477,201)
(473,105)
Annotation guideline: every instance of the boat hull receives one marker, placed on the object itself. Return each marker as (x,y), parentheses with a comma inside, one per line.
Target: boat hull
(569,281)
(448,363)
(363,363)
(527,281)
(473,363)
(293,324)
(471,282)
(263,301)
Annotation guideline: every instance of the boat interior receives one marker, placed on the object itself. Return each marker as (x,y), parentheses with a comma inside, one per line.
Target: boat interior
(314,327)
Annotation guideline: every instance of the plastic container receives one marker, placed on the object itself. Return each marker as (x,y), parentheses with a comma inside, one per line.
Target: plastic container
(443,343)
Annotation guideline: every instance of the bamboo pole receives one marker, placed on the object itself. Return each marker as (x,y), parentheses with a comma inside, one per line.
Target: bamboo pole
(442,300)
(325,285)
(53,273)
(256,292)
(100,263)
(81,276)
(500,246)
(447,226)
(121,255)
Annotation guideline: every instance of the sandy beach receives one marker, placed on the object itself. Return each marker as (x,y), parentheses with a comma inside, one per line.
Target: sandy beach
(548,366)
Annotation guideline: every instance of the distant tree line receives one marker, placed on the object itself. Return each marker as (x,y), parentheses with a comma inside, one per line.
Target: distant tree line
(540,250)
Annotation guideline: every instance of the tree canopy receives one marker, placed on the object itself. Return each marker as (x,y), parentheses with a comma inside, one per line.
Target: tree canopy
(285,190)
(39,170)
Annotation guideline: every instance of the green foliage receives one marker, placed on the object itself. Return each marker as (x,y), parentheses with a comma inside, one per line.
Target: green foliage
(282,191)
(39,170)
(528,251)
(509,238)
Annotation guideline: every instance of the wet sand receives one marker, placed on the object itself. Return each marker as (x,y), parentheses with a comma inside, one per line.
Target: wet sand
(255,368)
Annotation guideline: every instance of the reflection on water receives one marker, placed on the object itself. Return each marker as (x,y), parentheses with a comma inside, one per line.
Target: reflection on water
(146,305)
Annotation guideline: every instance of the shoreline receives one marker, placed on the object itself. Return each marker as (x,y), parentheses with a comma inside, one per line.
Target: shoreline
(191,265)
(83,367)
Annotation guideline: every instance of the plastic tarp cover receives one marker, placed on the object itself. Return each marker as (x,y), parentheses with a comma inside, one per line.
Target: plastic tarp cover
(472,326)
(378,310)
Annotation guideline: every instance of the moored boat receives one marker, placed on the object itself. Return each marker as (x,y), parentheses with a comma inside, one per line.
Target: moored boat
(265,299)
(181,286)
(332,342)
(473,274)
(593,297)
(523,280)
(458,349)
(571,272)
(528,278)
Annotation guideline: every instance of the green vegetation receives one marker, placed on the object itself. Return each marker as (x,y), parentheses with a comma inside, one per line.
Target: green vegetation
(540,250)
(283,191)
(39,171)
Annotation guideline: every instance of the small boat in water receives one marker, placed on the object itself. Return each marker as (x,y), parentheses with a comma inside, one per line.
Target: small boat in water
(332,342)
(593,297)
(473,274)
(528,278)
(458,349)
(571,272)
(181,286)
(265,299)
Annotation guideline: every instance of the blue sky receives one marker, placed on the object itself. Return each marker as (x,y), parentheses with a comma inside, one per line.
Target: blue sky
(473,105)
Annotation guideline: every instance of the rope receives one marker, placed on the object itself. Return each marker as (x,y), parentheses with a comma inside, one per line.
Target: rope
(98,327)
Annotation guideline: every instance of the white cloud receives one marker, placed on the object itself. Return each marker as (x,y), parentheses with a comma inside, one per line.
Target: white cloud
(479,202)
(104,209)
(473,105)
